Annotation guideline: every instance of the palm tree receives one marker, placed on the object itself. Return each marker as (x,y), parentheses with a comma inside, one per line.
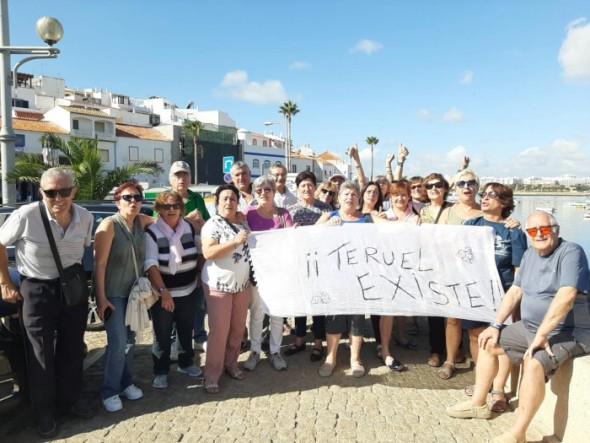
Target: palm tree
(193,129)
(288,109)
(83,158)
(372,141)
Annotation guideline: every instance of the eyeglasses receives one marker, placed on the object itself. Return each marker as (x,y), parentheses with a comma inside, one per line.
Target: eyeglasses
(469,183)
(414,187)
(130,198)
(330,193)
(52,193)
(545,230)
(259,191)
(436,185)
(168,206)
(490,194)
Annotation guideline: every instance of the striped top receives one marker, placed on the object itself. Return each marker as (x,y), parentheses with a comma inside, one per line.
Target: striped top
(157,253)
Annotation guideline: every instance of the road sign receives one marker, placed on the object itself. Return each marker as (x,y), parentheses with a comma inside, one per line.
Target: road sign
(227,177)
(227,162)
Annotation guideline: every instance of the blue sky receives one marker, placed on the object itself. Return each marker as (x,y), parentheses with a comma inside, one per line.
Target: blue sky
(506,82)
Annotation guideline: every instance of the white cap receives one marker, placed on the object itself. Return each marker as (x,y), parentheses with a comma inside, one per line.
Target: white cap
(180,167)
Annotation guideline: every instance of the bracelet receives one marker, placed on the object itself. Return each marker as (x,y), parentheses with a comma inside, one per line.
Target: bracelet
(400,163)
(357,165)
(498,326)
(161,289)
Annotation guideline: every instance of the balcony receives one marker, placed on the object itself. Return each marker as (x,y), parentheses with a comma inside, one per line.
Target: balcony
(101,135)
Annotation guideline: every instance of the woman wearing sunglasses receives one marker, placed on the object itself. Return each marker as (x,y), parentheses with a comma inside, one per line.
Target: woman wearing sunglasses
(118,252)
(264,217)
(510,243)
(173,255)
(326,192)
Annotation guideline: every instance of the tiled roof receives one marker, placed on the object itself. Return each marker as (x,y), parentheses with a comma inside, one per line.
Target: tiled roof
(19,124)
(139,132)
(28,115)
(326,156)
(84,111)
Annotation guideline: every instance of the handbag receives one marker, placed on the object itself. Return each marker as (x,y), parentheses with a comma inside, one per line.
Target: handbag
(72,280)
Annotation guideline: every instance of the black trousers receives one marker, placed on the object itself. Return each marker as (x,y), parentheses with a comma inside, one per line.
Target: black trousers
(54,346)
(436,335)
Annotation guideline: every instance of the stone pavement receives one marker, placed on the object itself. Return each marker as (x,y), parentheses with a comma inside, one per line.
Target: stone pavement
(294,405)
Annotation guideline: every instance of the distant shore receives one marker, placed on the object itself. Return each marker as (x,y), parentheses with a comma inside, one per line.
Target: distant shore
(554,194)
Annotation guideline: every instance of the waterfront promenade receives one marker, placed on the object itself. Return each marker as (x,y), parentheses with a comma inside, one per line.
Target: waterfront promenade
(295,405)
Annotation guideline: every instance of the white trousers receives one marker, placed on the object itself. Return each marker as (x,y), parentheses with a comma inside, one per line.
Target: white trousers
(255,326)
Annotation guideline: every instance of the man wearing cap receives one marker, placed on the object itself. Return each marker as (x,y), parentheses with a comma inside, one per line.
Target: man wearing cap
(552,288)
(283,197)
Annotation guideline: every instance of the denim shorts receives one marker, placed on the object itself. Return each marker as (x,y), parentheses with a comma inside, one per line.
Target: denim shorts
(515,339)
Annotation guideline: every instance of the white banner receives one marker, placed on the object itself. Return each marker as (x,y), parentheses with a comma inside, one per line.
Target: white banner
(384,268)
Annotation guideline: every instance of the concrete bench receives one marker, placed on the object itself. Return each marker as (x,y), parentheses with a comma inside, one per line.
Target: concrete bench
(565,410)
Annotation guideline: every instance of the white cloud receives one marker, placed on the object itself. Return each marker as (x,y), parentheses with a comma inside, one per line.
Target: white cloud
(365,154)
(466,78)
(237,85)
(453,115)
(562,156)
(455,155)
(574,54)
(425,114)
(300,65)
(366,46)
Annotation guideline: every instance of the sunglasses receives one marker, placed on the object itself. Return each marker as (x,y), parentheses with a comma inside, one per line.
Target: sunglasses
(168,206)
(437,185)
(414,187)
(469,183)
(330,193)
(130,198)
(490,194)
(52,193)
(259,191)
(545,230)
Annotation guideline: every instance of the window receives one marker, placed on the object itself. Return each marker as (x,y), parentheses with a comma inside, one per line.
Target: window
(20,103)
(75,124)
(104,155)
(256,164)
(254,142)
(293,168)
(264,143)
(133,153)
(265,167)
(99,127)
(159,155)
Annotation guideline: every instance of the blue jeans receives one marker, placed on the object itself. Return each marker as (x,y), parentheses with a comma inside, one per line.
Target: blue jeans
(199,333)
(183,316)
(118,357)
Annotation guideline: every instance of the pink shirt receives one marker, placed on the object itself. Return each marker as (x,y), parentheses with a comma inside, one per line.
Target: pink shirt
(258,223)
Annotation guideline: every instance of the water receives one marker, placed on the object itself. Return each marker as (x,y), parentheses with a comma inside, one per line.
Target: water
(573,226)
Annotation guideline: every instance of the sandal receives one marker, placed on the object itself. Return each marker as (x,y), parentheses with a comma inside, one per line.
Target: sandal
(407,345)
(394,365)
(434,360)
(326,369)
(357,369)
(294,349)
(211,387)
(501,404)
(446,371)
(316,354)
(236,373)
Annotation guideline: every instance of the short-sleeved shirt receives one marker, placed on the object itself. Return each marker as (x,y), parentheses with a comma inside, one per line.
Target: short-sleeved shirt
(24,229)
(307,215)
(285,200)
(230,273)
(364,218)
(409,215)
(258,223)
(509,246)
(540,277)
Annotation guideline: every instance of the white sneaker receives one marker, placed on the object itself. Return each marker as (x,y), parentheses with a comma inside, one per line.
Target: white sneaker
(113,404)
(252,361)
(193,371)
(277,362)
(132,392)
(200,346)
(160,381)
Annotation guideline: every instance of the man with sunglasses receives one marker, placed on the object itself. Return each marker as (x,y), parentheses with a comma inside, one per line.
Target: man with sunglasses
(54,332)
(553,290)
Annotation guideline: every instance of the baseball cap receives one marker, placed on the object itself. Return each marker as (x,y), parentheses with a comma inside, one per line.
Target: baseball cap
(180,166)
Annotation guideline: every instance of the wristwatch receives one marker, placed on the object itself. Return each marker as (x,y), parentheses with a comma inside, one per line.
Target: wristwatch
(161,289)
(498,326)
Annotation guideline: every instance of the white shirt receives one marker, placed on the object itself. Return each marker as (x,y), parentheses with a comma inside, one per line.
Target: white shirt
(284,200)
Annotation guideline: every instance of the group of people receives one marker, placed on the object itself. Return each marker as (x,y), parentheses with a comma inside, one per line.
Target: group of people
(197,262)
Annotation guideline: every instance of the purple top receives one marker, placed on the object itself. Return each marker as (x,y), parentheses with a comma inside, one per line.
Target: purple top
(258,223)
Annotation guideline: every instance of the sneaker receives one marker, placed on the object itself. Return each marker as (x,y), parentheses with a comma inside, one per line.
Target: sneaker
(132,392)
(193,371)
(200,346)
(277,362)
(160,381)
(467,409)
(252,361)
(82,411)
(113,404)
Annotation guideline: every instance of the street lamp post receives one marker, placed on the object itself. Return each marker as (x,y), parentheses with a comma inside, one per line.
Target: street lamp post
(287,143)
(51,31)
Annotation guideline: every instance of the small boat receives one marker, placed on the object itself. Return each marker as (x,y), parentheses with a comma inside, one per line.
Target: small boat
(548,209)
